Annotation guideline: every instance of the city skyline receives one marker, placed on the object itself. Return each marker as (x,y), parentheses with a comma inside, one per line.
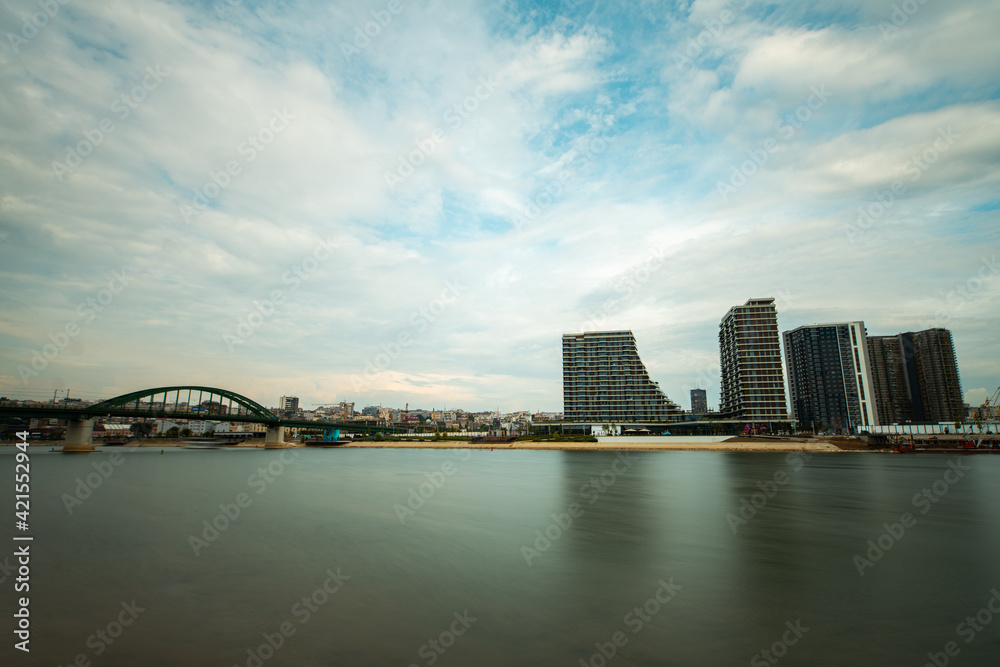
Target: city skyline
(384,203)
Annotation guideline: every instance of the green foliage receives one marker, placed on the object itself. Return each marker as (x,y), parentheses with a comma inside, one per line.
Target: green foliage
(141,429)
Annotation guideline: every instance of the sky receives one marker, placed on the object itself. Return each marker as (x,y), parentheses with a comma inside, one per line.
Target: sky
(395,202)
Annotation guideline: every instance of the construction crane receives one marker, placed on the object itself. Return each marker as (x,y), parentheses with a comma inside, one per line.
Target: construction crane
(988,412)
(991,403)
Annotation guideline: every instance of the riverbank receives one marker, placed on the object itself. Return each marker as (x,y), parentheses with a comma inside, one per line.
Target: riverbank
(741,445)
(737,444)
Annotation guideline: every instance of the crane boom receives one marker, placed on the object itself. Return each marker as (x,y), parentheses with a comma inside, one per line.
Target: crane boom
(987,410)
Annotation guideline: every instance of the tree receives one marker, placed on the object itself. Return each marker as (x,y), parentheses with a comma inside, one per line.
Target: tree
(141,429)
(172,432)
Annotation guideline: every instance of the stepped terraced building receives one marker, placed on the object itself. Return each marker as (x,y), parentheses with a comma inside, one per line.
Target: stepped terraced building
(604,380)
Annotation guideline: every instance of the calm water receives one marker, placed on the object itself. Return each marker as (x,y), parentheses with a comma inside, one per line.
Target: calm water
(456,570)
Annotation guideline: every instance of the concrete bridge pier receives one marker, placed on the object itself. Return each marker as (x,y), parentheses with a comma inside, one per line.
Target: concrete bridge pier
(78,436)
(275,438)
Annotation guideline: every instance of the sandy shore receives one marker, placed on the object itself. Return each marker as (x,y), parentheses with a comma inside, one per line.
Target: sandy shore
(737,444)
(610,445)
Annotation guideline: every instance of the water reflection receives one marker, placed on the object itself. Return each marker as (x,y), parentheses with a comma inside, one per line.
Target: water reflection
(663,517)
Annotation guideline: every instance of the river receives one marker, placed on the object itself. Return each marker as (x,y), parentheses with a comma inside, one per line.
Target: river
(475,557)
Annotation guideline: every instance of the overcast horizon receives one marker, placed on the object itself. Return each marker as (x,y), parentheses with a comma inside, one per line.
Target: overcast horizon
(392,202)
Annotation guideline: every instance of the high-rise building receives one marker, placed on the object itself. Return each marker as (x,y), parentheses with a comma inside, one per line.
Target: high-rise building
(938,377)
(699,402)
(604,380)
(892,400)
(916,377)
(753,388)
(829,376)
(288,403)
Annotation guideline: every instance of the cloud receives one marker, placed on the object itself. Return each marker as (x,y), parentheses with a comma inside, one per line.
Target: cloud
(976,397)
(542,191)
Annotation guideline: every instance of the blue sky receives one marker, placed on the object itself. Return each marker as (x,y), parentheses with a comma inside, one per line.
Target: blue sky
(401,202)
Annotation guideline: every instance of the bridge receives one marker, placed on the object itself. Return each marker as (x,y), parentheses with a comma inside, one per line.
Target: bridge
(186,402)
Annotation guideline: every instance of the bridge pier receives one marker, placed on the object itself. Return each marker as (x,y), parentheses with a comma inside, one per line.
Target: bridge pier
(78,436)
(275,438)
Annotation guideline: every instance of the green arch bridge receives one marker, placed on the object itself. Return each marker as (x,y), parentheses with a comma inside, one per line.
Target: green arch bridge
(180,402)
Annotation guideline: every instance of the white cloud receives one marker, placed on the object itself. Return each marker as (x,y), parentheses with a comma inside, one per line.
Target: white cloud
(976,397)
(669,137)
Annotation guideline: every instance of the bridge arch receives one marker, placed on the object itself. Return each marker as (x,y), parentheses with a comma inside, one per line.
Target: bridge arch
(191,402)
